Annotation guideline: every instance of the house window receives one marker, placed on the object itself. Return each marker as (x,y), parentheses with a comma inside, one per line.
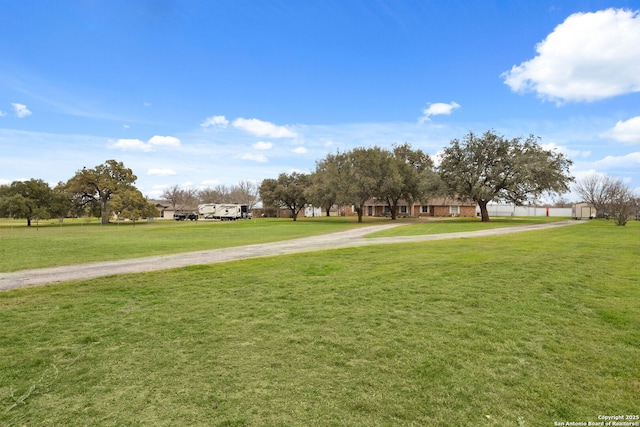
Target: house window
(386,210)
(403,209)
(454,210)
(424,209)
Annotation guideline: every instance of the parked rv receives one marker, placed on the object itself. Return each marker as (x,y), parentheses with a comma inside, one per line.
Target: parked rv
(207,211)
(228,212)
(224,211)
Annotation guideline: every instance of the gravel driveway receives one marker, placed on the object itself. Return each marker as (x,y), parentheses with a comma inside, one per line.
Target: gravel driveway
(344,239)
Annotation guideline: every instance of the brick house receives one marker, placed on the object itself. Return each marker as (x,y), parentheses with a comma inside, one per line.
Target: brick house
(441,206)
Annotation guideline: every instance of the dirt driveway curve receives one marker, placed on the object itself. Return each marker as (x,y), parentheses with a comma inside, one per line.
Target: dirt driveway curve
(344,239)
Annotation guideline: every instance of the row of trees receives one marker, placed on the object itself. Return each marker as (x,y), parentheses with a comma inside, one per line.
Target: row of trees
(610,197)
(104,190)
(482,168)
(354,177)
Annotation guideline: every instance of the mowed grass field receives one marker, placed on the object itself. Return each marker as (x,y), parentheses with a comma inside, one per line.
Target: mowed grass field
(80,241)
(525,330)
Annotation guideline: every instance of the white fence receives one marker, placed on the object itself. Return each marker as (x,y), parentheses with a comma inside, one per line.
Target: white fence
(510,210)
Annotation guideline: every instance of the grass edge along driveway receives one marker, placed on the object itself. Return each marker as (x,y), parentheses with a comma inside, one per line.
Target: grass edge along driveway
(343,239)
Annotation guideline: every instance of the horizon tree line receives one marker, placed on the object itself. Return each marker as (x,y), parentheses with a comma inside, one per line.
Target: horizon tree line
(104,191)
(482,168)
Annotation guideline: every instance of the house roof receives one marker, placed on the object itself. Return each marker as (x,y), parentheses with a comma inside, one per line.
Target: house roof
(160,203)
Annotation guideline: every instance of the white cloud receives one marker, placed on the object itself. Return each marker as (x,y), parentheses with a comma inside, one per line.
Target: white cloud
(261,145)
(260,158)
(628,161)
(299,150)
(154,141)
(21,110)
(590,56)
(625,131)
(439,108)
(161,172)
(261,128)
(166,141)
(2,113)
(437,158)
(552,146)
(218,121)
(131,144)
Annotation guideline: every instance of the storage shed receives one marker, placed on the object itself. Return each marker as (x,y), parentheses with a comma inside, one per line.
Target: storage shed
(583,210)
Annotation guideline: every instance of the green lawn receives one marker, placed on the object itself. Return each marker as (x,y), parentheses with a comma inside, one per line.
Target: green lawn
(79,242)
(517,330)
(455,225)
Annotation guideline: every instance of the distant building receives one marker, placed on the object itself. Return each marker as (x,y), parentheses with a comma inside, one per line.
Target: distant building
(441,206)
(583,210)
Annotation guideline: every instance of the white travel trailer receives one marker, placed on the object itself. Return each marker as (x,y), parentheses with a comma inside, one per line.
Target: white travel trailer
(229,212)
(224,211)
(208,210)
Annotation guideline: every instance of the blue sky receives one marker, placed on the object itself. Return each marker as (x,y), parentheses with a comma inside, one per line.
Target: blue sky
(205,93)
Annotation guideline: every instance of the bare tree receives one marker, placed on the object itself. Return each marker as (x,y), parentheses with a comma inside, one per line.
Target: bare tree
(622,203)
(218,194)
(609,196)
(246,193)
(185,197)
(562,202)
(173,196)
(595,189)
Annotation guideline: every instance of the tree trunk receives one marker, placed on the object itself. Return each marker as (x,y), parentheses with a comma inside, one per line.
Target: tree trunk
(104,212)
(484,213)
(360,211)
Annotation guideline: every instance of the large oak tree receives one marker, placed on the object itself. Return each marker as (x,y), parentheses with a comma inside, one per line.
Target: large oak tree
(29,199)
(323,188)
(131,204)
(408,175)
(490,168)
(288,190)
(360,174)
(98,185)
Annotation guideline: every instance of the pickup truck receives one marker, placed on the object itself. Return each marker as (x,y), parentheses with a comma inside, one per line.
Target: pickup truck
(183,216)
